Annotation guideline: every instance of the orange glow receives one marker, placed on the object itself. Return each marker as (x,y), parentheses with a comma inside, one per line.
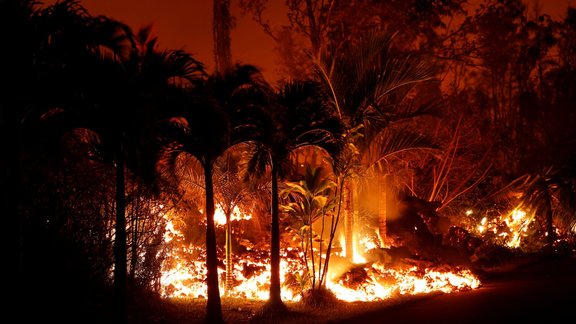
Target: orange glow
(185,276)
(236,215)
(509,227)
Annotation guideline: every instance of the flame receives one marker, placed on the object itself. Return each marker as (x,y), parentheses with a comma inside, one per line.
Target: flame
(358,258)
(220,215)
(387,282)
(519,222)
(184,273)
(509,227)
(482,226)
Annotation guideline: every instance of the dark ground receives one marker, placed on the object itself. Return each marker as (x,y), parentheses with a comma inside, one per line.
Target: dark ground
(541,292)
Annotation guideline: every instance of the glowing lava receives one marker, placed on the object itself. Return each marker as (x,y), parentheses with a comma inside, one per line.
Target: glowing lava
(184,272)
(386,282)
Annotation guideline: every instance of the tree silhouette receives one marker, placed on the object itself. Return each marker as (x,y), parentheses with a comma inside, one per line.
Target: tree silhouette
(369,84)
(127,75)
(205,124)
(300,117)
(62,41)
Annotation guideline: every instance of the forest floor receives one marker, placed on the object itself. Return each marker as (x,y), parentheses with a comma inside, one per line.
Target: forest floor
(179,310)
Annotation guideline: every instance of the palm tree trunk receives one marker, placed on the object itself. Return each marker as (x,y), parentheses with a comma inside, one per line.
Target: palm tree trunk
(214,306)
(355,213)
(348,222)
(311,245)
(229,268)
(333,228)
(275,294)
(120,240)
(384,206)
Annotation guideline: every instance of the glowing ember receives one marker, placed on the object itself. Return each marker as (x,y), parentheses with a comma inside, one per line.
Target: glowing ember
(510,227)
(517,220)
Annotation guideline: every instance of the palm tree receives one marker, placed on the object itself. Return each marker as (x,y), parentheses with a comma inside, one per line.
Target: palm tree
(207,123)
(369,84)
(153,74)
(116,85)
(550,196)
(18,21)
(61,41)
(301,117)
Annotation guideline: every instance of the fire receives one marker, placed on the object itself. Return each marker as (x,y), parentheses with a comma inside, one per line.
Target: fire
(236,215)
(358,259)
(509,227)
(387,282)
(184,272)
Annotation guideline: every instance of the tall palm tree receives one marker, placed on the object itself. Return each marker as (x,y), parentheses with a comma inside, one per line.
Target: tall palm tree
(153,74)
(301,117)
(212,119)
(369,83)
(116,85)
(18,21)
(60,41)
(149,76)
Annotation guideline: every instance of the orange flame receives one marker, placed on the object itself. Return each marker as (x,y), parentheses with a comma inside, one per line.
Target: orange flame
(186,278)
(509,227)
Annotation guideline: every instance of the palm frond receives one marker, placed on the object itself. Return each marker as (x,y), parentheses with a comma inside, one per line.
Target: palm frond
(367,73)
(549,194)
(401,72)
(389,143)
(255,160)
(180,68)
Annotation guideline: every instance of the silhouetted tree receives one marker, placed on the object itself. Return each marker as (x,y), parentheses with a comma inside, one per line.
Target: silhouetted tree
(221,28)
(301,116)
(205,125)
(57,43)
(127,75)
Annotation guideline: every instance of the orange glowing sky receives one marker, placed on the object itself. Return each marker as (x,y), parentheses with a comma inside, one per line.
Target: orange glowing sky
(187,24)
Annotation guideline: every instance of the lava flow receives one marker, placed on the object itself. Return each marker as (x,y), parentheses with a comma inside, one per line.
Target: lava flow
(184,272)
